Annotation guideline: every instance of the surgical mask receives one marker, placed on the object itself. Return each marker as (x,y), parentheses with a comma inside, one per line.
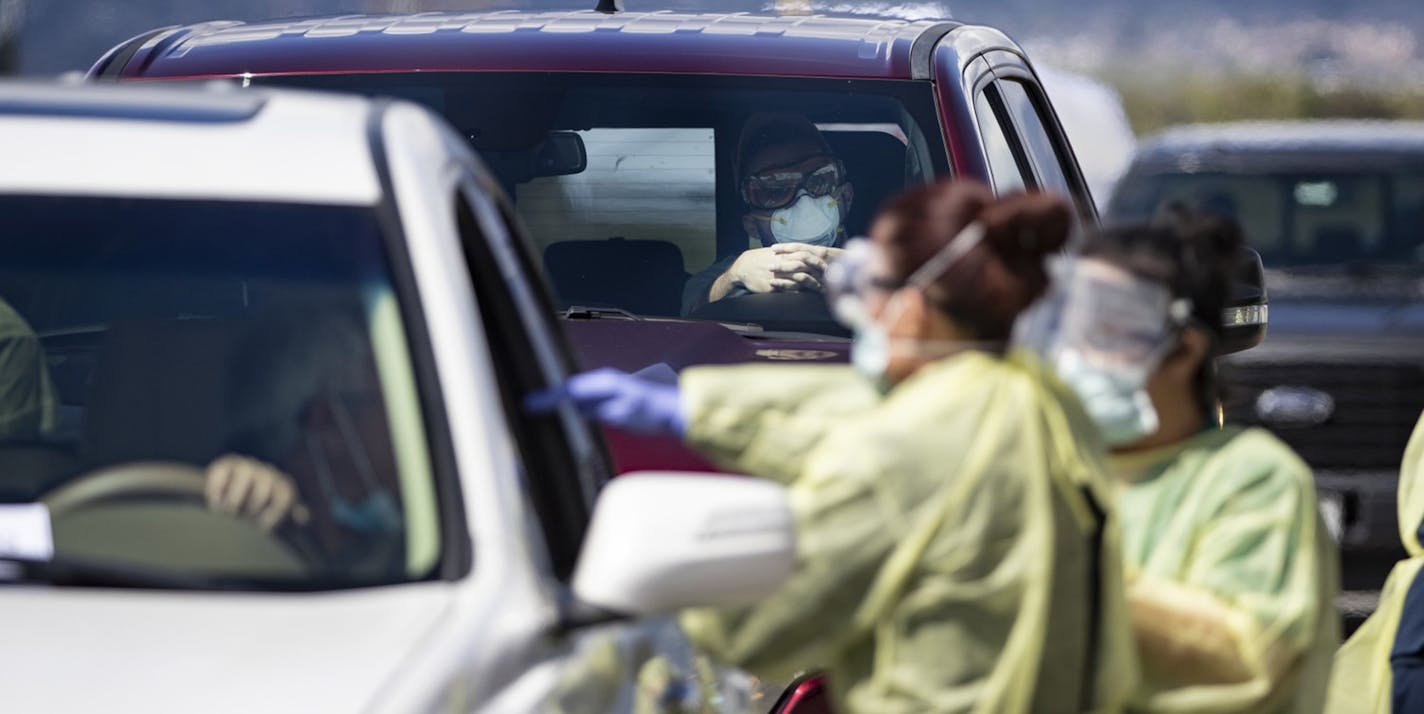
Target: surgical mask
(376,514)
(809,219)
(852,275)
(1105,331)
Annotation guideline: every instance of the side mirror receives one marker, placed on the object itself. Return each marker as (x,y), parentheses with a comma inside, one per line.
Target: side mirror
(560,154)
(1245,317)
(660,542)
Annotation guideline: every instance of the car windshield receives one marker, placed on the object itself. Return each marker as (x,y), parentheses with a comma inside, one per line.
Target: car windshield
(1301,220)
(629,187)
(210,389)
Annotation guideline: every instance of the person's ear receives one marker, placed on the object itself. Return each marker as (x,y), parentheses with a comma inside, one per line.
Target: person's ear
(1185,360)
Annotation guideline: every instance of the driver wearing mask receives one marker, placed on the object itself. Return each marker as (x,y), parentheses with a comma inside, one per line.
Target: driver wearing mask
(796,196)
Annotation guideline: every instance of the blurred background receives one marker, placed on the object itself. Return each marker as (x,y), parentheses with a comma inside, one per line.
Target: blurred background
(1192,60)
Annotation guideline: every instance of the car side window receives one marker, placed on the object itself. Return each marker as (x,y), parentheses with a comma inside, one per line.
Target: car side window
(1004,158)
(1028,112)
(563,461)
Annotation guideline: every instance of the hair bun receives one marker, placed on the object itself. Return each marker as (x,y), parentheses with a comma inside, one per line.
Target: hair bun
(1001,276)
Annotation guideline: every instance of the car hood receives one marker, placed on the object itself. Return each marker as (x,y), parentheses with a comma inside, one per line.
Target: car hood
(662,348)
(86,650)
(1347,301)
(632,345)
(1346,316)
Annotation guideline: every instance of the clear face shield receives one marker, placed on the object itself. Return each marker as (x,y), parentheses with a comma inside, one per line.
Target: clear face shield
(857,279)
(1105,331)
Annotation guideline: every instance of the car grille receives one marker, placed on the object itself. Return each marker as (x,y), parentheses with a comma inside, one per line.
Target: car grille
(1375,409)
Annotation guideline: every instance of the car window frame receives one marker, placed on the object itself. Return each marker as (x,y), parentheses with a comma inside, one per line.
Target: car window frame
(1004,66)
(563,460)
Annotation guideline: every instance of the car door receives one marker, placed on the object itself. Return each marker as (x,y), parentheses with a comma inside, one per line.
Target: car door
(604,659)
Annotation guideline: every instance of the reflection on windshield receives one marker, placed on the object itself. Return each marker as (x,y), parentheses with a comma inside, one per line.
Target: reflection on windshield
(193,387)
(1302,220)
(686,196)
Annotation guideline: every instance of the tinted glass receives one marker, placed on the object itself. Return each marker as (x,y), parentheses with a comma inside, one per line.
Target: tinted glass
(1003,167)
(207,389)
(657,214)
(1035,134)
(1301,219)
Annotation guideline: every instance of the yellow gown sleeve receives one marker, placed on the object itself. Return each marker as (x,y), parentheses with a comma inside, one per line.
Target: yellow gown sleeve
(922,528)
(1233,634)
(764,419)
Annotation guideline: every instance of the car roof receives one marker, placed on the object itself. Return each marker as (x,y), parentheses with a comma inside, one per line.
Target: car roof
(552,41)
(185,142)
(1283,146)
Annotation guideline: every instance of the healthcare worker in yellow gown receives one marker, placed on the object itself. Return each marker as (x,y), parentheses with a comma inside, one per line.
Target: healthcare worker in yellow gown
(1381,668)
(956,548)
(1231,573)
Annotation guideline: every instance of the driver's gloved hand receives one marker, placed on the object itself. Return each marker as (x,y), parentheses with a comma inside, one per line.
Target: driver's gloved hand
(245,487)
(618,399)
(781,267)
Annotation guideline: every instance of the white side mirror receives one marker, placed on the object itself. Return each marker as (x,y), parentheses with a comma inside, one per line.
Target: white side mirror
(661,542)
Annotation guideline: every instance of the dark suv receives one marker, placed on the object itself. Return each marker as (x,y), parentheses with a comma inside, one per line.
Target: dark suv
(615,135)
(1336,210)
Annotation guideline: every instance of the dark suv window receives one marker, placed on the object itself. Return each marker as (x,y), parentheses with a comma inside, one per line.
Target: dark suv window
(1299,220)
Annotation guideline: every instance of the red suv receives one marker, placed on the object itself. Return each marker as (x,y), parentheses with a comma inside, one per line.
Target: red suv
(615,138)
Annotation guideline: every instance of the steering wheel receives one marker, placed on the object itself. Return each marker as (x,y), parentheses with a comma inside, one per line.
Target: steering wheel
(782,311)
(147,479)
(132,511)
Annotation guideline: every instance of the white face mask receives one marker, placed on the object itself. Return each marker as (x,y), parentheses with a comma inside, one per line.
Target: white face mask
(808,219)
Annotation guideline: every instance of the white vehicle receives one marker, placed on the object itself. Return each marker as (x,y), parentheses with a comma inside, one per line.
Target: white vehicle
(263,356)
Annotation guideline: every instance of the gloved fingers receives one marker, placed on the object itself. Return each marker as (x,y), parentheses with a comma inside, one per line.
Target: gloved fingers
(215,481)
(265,484)
(546,401)
(283,500)
(783,284)
(238,486)
(806,260)
(585,390)
(804,281)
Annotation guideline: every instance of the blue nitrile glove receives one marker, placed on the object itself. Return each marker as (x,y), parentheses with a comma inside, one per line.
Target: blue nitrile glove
(618,399)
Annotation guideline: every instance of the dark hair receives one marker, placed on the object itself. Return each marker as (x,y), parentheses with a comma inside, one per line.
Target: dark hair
(1195,254)
(994,282)
(762,131)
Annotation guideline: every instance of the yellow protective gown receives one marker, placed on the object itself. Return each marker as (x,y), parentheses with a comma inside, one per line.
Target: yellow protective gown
(1232,575)
(27,400)
(1362,681)
(952,552)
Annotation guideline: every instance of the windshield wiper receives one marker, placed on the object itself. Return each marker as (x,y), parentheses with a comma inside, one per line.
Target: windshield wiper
(581,312)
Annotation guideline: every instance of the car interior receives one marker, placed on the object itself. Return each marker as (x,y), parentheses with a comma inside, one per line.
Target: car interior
(651,198)
(143,328)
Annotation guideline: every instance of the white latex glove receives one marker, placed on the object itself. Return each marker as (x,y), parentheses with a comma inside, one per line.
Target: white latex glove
(249,488)
(782,267)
